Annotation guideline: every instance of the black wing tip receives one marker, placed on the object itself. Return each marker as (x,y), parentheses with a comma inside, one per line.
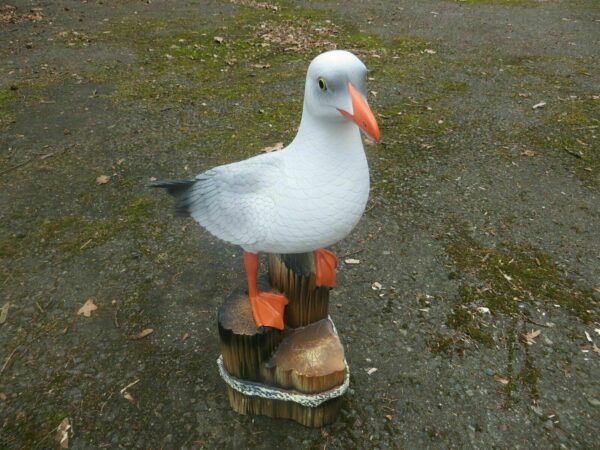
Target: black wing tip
(180,189)
(172,186)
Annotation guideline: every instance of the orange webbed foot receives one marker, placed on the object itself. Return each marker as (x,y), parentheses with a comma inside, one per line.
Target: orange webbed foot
(267,309)
(325,262)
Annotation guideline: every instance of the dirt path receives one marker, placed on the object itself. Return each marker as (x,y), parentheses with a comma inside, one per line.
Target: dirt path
(482,227)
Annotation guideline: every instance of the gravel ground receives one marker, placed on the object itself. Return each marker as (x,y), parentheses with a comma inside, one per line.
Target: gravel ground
(481,231)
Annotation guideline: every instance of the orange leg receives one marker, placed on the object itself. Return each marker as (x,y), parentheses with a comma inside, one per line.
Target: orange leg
(325,262)
(267,307)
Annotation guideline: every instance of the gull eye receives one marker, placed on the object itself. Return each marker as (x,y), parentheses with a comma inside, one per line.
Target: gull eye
(322,84)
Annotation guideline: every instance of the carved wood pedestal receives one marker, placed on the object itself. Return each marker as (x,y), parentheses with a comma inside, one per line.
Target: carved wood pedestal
(299,373)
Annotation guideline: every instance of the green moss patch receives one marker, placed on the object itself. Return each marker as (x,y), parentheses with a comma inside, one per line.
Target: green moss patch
(7,99)
(445,344)
(462,319)
(512,274)
(254,64)
(73,234)
(571,131)
(529,376)
(529,3)
(184,64)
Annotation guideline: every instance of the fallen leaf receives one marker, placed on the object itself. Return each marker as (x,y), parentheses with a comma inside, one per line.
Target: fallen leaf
(219,39)
(352,261)
(185,336)
(144,333)
(539,105)
(3,396)
(87,308)
(500,380)
(62,433)
(529,338)
(483,310)
(388,416)
(587,335)
(129,397)
(4,313)
(596,349)
(528,153)
(102,179)
(272,148)
(372,370)
(376,286)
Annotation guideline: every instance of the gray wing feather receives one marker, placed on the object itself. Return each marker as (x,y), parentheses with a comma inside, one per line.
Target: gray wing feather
(235,202)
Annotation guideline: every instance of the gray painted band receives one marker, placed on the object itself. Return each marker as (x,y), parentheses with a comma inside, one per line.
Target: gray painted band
(255,389)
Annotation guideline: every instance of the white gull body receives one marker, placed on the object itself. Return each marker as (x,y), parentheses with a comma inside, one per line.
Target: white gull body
(307,196)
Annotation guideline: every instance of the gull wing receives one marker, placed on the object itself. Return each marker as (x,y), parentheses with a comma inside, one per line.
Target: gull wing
(234,202)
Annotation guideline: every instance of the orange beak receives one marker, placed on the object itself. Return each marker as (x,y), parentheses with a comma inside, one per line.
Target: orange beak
(363,116)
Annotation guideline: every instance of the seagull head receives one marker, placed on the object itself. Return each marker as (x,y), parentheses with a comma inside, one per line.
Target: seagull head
(336,90)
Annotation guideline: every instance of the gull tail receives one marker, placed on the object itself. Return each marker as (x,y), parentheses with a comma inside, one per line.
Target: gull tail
(180,189)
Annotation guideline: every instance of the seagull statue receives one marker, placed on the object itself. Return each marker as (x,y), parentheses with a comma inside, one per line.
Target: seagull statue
(300,199)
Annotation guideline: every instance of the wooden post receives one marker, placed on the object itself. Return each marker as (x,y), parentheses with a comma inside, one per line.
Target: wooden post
(244,346)
(299,373)
(294,275)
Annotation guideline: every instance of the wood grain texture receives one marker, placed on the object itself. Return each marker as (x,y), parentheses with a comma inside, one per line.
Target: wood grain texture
(306,358)
(309,359)
(294,275)
(245,347)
